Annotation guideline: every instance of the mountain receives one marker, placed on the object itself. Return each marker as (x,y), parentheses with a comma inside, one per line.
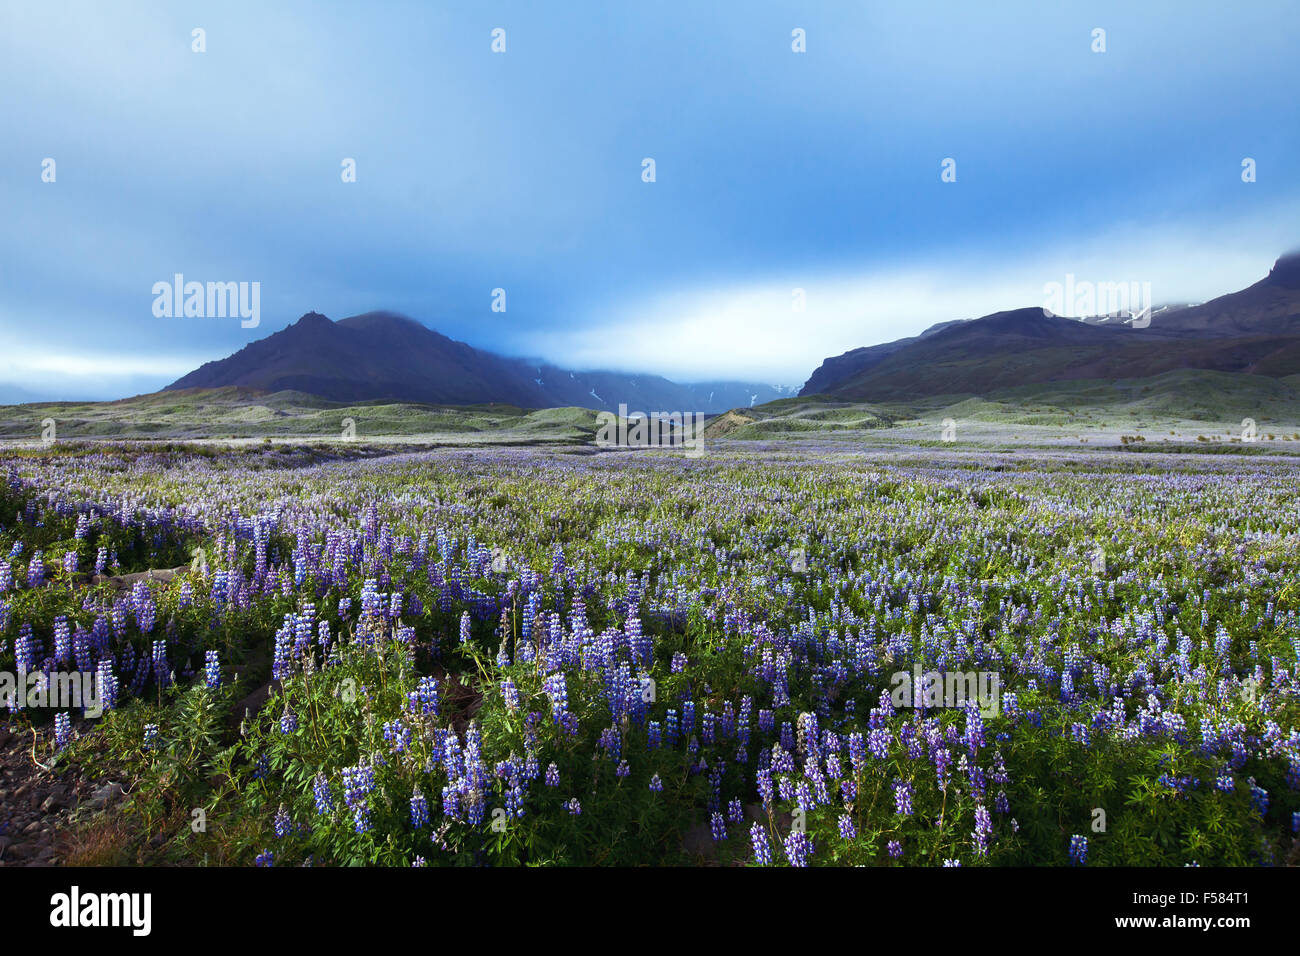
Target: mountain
(386,356)
(1255,331)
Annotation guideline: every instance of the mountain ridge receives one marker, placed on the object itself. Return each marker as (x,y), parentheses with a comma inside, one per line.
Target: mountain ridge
(1255,330)
(384,355)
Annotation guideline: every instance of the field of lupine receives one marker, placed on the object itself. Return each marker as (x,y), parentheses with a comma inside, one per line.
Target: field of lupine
(518,656)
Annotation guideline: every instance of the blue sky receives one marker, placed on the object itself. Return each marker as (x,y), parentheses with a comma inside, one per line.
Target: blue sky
(522,170)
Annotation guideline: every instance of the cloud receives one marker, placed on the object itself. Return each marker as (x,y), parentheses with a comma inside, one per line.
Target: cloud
(749,329)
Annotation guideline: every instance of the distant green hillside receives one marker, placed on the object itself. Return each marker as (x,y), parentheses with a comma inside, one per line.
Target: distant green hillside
(243,413)
(1187,397)
(1179,406)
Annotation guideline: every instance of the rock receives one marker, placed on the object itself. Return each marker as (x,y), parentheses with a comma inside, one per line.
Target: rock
(698,842)
(55,801)
(105,795)
(254,702)
(125,582)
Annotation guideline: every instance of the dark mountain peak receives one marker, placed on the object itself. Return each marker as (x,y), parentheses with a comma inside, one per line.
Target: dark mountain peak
(384,355)
(1286,271)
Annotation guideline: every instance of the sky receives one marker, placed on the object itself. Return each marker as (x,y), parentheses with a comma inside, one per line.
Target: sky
(523,170)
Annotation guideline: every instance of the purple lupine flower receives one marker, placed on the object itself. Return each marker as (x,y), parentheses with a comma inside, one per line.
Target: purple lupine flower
(895,849)
(1078,850)
(398,736)
(762,848)
(798,848)
(902,798)
(62,640)
(718,827)
(983,829)
(419,809)
(62,730)
(323,795)
(211,669)
(847,830)
(735,812)
(36,571)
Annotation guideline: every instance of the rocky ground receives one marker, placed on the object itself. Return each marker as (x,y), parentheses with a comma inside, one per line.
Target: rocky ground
(36,804)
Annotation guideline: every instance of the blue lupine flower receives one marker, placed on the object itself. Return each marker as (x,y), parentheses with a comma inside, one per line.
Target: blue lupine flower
(419,809)
(762,848)
(1078,849)
(798,848)
(398,736)
(212,669)
(902,798)
(718,827)
(983,829)
(1258,797)
(62,730)
(324,796)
